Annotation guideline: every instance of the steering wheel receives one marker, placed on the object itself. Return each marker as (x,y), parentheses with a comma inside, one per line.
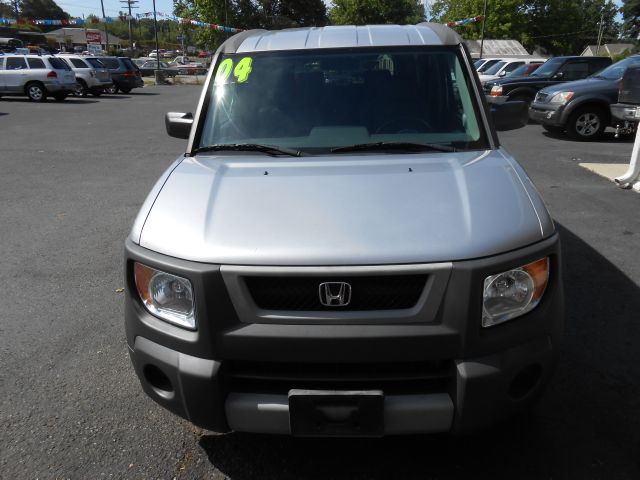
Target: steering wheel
(405,124)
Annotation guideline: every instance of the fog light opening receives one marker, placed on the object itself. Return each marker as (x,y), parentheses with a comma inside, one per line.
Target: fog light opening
(157,379)
(525,381)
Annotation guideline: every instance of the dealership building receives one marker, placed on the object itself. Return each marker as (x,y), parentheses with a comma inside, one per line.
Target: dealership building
(67,38)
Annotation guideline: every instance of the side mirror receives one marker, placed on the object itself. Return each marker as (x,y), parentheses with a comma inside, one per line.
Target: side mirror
(510,115)
(178,124)
(503,73)
(558,76)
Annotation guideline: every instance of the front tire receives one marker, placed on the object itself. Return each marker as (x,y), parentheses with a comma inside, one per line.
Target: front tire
(36,92)
(587,123)
(81,89)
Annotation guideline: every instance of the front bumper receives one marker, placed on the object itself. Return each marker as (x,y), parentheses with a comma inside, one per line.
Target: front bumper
(443,375)
(550,114)
(492,99)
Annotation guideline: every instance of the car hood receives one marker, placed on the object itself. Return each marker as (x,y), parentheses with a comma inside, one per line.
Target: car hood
(587,85)
(523,80)
(344,210)
(488,78)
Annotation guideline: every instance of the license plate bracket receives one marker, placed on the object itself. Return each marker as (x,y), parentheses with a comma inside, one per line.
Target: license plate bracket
(329,413)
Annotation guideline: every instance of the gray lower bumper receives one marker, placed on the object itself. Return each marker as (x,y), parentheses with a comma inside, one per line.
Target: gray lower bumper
(403,414)
(623,111)
(483,391)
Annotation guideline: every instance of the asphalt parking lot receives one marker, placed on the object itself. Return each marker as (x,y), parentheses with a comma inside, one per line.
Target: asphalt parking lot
(74,175)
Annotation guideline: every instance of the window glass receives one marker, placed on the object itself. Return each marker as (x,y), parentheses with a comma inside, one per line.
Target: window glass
(494,69)
(76,62)
(58,64)
(512,66)
(36,63)
(548,68)
(1,63)
(111,63)
(616,71)
(129,64)
(16,63)
(95,63)
(575,71)
(488,65)
(318,100)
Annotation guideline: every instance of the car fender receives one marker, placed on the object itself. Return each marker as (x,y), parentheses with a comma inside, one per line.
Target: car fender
(600,100)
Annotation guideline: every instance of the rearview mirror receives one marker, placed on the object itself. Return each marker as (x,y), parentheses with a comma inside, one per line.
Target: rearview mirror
(178,124)
(510,115)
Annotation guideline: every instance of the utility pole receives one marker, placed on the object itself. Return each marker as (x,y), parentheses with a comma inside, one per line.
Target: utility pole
(600,32)
(484,20)
(130,4)
(106,32)
(155,28)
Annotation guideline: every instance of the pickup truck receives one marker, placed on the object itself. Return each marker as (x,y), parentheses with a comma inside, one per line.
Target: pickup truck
(344,248)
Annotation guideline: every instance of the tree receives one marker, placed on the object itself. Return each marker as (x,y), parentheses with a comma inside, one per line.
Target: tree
(631,17)
(506,19)
(247,14)
(557,26)
(48,9)
(6,10)
(362,12)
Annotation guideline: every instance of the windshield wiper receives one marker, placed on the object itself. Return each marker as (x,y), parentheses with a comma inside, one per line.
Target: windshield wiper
(250,147)
(408,146)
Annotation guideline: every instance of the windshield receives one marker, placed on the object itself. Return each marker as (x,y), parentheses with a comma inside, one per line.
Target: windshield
(478,63)
(522,70)
(495,69)
(489,64)
(316,101)
(616,71)
(548,68)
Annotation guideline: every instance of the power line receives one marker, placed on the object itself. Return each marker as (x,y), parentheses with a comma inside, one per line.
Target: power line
(130,4)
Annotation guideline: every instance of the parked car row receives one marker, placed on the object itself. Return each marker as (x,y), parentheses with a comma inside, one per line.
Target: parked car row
(58,76)
(180,65)
(571,95)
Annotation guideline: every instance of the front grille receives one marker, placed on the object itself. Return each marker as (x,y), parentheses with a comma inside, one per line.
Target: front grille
(390,292)
(392,378)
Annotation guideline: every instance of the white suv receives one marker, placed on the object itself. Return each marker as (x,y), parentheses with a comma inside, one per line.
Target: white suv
(91,75)
(36,76)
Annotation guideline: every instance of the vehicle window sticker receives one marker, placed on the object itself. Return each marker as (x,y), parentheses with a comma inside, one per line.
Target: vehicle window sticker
(224,71)
(241,71)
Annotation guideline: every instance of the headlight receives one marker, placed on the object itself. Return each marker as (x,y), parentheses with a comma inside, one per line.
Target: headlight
(513,293)
(496,91)
(561,97)
(166,296)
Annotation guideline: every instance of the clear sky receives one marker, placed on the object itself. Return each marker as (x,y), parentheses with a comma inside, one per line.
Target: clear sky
(76,8)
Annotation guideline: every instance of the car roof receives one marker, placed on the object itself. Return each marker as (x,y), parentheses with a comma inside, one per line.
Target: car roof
(342,36)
